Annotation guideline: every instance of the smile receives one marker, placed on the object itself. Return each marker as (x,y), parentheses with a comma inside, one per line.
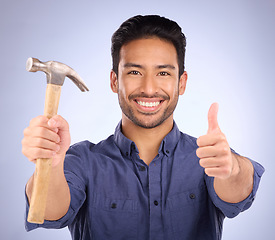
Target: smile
(148,104)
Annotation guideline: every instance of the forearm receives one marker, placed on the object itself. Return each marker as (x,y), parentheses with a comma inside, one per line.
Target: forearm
(58,199)
(237,187)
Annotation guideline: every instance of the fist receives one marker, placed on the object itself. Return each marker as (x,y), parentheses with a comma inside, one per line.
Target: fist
(214,151)
(45,138)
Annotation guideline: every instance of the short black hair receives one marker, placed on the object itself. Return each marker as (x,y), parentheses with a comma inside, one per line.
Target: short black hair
(147,26)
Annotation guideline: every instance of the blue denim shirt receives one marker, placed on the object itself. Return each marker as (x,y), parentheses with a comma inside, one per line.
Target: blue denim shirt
(115,195)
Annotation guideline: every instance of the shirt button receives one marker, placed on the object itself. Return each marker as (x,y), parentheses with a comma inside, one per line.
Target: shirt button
(156,202)
(113,206)
(167,151)
(142,168)
(127,154)
(192,196)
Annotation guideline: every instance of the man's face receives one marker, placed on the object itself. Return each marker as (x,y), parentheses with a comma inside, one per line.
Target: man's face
(148,84)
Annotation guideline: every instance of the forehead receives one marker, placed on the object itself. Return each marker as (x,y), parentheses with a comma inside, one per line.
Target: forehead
(149,51)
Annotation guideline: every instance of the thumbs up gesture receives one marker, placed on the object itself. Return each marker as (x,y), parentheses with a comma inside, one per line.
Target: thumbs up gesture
(214,151)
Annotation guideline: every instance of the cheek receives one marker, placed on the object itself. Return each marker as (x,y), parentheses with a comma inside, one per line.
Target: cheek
(127,87)
(172,89)
(124,90)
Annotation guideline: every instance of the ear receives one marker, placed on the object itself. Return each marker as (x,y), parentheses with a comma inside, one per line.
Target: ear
(113,81)
(182,83)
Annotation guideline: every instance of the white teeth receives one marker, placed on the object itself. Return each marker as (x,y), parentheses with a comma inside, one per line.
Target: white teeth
(148,104)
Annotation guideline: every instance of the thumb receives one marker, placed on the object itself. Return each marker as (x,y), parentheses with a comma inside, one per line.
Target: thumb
(58,122)
(62,129)
(213,117)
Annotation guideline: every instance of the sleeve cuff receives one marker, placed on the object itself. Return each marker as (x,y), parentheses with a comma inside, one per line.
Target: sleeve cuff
(79,198)
(60,223)
(231,210)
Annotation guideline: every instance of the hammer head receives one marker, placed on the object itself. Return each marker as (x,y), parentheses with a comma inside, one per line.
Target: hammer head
(56,72)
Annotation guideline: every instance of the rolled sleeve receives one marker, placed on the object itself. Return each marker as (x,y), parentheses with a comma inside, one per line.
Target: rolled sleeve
(73,170)
(231,210)
(61,223)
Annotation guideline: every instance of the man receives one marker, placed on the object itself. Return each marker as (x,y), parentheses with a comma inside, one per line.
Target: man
(148,180)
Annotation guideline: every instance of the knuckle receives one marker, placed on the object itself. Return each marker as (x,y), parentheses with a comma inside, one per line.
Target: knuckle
(59,117)
(208,172)
(200,141)
(202,163)
(224,150)
(38,120)
(24,146)
(26,131)
(223,138)
(26,153)
(198,152)
(31,121)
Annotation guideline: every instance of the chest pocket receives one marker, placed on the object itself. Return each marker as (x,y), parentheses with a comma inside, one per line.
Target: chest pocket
(185,212)
(113,218)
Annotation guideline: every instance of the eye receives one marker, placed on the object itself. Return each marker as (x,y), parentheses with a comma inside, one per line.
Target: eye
(163,74)
(134,72)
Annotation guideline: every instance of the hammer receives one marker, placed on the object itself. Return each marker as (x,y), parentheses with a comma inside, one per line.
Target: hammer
(56,73)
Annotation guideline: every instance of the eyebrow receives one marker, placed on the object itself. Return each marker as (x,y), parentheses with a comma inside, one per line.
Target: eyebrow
(166,66)
(129,65)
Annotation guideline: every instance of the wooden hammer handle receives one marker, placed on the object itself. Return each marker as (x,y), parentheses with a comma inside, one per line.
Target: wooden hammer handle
(43,166)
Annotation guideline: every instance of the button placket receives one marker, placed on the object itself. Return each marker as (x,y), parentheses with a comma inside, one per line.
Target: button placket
(154,172)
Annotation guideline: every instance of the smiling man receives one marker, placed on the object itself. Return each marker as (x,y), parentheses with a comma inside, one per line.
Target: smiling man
(148,180)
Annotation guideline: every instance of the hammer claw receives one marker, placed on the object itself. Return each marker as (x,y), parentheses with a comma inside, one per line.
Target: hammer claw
(78,82)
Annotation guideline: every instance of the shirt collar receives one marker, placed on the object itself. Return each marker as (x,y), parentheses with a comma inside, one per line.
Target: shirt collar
(126,145)
(170,141)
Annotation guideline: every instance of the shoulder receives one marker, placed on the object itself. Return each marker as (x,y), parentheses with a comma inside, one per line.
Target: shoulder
(86,149)
(86,145)
(81,155)
(188,141)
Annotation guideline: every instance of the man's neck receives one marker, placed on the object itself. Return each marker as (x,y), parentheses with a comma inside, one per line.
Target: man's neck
(147,140)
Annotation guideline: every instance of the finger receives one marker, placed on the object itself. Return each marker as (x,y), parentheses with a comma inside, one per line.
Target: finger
(58,122)
(213,118)
(39,121)
(34,148)
(45,144)
(208,140)
(212,172)
(41,132)
(33,153)
(63,130)
(218,172)
(206,152)
(210,162)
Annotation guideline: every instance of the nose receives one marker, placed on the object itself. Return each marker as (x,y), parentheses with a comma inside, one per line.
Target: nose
(149,85)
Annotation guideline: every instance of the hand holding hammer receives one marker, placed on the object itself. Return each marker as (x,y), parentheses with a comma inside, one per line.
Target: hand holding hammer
(56,73)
